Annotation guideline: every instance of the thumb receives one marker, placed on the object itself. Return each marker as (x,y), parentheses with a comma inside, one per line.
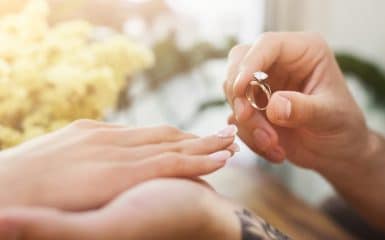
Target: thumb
(293,109)
(44,224)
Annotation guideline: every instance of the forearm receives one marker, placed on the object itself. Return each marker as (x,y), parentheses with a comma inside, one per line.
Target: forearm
(11,191)
(362,183)
(5,191)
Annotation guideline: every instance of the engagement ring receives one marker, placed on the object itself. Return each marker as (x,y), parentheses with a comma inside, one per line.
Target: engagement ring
(253,91)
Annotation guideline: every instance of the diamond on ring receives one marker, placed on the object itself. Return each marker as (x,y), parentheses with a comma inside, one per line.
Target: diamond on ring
(260,76)
(255,88)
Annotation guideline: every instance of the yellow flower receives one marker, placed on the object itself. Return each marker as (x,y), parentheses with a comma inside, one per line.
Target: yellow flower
(50,76)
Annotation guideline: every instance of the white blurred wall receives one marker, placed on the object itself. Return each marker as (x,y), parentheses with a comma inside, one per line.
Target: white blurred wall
(354,25)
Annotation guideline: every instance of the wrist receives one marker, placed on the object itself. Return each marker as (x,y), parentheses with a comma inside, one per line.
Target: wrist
(5,192)
(366,161)
(361,179)
(224,223)
(11,191)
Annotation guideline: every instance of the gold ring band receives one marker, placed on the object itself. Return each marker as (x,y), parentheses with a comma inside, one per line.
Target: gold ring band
(260,83)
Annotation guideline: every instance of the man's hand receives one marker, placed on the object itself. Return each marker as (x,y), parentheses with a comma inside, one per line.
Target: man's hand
(311,119)
(88,163)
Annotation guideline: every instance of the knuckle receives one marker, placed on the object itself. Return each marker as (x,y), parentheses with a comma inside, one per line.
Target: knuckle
(315,36)
(266,36)
(222,142)
(216,142)
(83,123)
(111,171)
(318,40)
(273,38)
(235,59)
(237,49)
(231,119)
(172,163)
(174,147)
(99,135)
(115,153)
(171,157)
(167,129)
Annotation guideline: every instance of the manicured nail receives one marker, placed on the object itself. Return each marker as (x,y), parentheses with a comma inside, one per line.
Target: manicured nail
(234,148)
(261,139)
(238,108)
(220,156)
(229,131)
(276,154)
(283,107)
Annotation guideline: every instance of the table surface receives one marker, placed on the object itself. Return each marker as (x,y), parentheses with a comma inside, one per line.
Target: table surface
(268,198)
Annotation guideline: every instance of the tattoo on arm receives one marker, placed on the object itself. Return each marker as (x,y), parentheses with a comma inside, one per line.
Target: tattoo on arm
(254,228)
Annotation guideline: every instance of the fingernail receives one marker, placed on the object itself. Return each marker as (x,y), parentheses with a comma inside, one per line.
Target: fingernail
(261,139)
(238,108)
(283,108)
(234,148)
(229,131)
(220,156)
(276,154)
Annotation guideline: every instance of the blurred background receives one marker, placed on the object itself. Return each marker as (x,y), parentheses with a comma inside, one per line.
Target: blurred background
(179,49)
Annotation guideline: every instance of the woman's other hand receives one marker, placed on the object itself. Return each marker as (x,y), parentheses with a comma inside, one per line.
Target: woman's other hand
(88,163)
(154,210)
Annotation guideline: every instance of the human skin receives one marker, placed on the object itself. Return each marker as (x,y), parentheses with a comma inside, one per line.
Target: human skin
(74,202)
(311,119)
(88,163)
(159,209)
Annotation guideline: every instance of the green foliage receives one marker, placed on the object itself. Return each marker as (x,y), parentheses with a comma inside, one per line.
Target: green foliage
(368,73)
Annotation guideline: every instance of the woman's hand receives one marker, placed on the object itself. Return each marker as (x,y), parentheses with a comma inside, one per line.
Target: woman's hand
(88,163)
(311,119)
(154,210)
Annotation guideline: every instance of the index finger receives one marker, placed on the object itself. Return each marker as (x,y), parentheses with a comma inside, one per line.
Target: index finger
(235,57)
(270,48)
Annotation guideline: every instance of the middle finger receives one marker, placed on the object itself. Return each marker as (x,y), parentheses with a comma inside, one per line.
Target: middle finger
(194,146)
